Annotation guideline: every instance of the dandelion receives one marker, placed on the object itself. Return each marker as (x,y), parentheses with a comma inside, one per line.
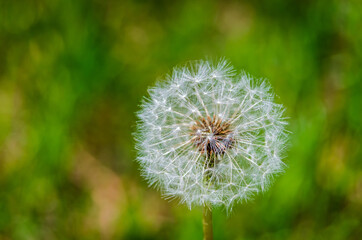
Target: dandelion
(210,137)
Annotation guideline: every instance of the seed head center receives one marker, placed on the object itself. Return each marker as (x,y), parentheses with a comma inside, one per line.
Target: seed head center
(212,136)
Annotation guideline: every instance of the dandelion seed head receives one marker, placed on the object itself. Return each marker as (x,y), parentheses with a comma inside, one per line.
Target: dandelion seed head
(207,135)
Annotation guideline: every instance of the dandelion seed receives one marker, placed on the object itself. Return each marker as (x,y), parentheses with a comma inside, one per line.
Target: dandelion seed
(209,136)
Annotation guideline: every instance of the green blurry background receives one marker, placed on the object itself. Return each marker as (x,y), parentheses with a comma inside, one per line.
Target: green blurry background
(73,73)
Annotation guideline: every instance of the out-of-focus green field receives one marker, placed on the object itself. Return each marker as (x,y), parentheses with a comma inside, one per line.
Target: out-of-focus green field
(73,73)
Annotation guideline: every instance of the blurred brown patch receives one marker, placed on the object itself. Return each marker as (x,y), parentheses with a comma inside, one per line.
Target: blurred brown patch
(235,19)
(117,203)
(107,192)
(332,170)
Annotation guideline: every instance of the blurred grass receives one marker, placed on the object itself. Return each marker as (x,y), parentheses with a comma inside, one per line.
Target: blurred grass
(72,74)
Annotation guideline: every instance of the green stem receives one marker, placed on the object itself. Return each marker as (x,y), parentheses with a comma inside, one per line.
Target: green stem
(207,223)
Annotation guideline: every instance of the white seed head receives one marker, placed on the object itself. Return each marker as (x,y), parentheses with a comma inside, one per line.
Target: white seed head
(210,136)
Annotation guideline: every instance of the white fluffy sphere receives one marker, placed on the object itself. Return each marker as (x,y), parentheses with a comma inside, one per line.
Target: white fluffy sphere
(209,136)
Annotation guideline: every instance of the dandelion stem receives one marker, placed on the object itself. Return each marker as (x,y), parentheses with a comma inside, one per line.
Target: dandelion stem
(207,223)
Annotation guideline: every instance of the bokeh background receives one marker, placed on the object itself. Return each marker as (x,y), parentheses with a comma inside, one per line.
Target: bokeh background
(72,76)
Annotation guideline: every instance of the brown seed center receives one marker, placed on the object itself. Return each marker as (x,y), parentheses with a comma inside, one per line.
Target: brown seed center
(212,136)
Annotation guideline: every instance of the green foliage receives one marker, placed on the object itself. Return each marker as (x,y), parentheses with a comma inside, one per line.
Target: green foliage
(72,74)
